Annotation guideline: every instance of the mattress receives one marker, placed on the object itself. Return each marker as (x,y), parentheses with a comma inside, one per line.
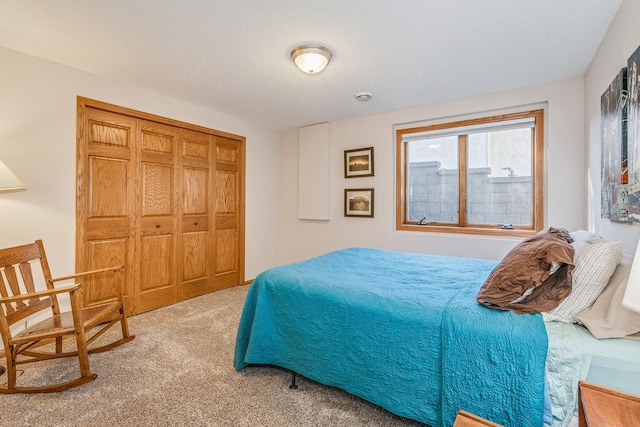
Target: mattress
(615,362)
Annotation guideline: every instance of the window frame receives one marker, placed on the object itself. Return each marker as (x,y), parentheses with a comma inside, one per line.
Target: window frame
(462,227)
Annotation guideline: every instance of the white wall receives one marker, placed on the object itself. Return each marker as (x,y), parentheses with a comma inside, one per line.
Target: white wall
(622,39)
(38,142)
(565,192)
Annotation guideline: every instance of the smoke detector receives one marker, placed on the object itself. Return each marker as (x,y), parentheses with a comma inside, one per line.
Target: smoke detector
(363,96)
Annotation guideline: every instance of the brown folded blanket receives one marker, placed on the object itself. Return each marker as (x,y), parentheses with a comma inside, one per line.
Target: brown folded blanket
(522,282)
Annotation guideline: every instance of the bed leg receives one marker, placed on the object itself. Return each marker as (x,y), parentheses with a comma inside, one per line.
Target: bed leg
(293,385)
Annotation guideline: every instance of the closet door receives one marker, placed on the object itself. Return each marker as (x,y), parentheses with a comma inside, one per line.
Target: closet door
(161,197)
(229,217)
(106,202)
(159,208)
(195,264)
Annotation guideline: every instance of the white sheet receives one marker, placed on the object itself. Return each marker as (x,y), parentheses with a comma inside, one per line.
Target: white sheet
(575,355)
(568,359)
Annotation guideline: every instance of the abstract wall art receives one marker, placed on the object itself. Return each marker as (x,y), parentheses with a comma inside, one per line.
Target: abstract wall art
(614,179)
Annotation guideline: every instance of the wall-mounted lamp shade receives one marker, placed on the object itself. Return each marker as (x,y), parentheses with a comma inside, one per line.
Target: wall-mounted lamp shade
(311,58)
(631,299)
(8,180)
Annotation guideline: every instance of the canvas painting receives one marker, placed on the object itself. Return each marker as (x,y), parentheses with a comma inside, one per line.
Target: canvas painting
(614,190)
(633,133)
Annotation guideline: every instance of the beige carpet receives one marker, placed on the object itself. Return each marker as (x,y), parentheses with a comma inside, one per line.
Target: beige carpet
(179,372)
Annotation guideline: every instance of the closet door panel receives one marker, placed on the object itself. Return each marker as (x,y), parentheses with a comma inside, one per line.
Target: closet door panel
(156,285)
(103,253)
(108,211)
(157,181)
(105,209)
(157,206)
(195,271)
(226,258)
(195,259)
(195,191)
(108,183)
(228,208)
(195,250)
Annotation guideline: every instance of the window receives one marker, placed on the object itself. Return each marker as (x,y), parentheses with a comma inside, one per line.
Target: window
(479,176)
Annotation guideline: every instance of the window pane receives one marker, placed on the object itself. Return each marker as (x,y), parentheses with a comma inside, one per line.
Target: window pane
(499,181)
(432,180)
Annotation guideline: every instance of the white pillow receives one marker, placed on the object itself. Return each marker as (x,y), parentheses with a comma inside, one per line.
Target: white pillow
(594,264)
(583,236)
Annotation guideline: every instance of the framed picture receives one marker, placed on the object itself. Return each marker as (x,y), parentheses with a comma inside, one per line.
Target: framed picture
(358,162)
(358,202)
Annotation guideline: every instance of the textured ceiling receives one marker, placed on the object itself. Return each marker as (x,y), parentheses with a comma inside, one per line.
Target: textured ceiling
(233,56)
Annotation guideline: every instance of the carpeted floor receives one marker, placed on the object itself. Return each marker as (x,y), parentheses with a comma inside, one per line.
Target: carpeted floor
(179,372)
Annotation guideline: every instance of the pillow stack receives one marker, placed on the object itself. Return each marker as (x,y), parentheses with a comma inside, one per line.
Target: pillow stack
(595,261)
(607,317)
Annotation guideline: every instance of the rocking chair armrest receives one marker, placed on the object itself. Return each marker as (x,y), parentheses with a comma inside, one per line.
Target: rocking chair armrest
(39,294)
(88,273)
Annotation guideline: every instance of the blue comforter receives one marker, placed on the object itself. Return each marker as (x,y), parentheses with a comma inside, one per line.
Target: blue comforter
(401,330)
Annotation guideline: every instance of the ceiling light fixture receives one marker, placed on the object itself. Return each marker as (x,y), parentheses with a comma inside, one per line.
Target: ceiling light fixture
(311,58)
(363,96)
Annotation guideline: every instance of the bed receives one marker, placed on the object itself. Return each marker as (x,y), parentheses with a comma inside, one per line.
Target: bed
(405,332)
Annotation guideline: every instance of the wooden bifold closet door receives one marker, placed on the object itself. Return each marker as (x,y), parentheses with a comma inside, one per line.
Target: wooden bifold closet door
(163,198)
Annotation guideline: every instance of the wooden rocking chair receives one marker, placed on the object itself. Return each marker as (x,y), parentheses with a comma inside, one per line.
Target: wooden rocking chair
(20,300)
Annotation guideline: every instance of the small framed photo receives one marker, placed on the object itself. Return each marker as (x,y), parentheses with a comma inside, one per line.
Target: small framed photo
(358,162)
(358,202)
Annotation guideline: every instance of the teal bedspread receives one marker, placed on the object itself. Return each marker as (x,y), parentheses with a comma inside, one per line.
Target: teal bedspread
(400,330)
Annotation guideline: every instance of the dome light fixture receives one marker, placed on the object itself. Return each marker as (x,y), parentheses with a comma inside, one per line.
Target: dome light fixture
(311,58)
